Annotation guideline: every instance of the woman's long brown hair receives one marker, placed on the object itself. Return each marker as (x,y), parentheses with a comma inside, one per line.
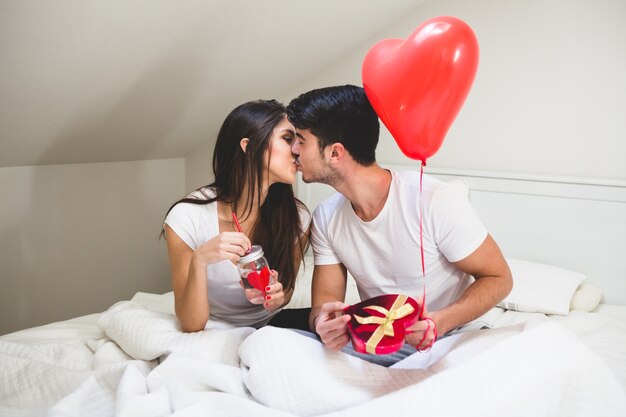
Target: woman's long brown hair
(278,227)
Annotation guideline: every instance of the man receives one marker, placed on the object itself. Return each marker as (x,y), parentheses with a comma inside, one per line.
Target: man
(372,227)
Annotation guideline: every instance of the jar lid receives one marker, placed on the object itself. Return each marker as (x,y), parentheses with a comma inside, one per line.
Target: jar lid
(256,251)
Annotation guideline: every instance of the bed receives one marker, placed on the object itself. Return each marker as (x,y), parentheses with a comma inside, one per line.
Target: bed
(556,346)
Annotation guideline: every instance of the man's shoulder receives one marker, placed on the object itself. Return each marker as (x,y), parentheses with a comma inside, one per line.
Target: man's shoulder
(408,184)
(331,203)
(326,209)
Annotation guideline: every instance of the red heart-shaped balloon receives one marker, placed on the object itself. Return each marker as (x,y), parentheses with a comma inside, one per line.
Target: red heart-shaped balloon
(259,280)
(417,86)
(362,333)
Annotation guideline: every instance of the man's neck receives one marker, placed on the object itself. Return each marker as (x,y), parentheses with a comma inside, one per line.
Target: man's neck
(367,189)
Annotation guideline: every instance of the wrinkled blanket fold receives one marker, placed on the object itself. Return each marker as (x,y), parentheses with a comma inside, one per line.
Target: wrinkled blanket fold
(145,366)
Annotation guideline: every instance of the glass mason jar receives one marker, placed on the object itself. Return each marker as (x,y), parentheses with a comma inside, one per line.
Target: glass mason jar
(254,269)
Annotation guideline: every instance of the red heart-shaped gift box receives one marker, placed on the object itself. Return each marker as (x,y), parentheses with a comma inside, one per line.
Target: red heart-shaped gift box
(378,325)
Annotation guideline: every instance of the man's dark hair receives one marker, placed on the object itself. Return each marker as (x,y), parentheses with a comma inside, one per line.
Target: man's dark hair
(339,114)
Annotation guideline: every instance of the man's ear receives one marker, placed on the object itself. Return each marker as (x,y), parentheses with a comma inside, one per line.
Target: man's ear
(337,150)
(244,144)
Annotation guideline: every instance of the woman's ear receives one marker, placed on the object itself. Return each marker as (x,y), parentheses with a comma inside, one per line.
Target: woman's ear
(244,144)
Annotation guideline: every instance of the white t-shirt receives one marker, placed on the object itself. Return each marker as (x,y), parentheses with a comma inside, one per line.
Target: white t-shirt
(383,255)
(196,224)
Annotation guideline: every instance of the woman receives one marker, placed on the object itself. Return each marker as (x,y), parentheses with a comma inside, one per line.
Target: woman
(254,171)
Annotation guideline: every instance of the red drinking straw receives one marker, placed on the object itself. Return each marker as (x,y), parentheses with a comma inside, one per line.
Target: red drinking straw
(236,220)
(238,226)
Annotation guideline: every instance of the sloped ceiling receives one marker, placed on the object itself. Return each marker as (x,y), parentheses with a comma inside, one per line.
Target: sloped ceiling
(91,81)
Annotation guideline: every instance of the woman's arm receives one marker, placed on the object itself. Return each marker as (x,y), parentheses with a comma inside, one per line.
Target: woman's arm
(189,284)
(297,260)
(189,273)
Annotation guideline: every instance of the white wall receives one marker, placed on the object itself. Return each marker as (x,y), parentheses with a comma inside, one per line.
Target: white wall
(74,239)
(550,92)
(549,96)
(199,167)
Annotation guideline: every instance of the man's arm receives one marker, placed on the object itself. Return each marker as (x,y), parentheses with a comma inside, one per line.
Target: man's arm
(328,292)
(493,283)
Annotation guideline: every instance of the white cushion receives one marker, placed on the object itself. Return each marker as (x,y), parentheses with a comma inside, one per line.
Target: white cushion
(586,298)
(540,288)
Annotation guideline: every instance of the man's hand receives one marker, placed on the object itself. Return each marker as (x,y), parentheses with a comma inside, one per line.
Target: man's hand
(332,326)
(422,334)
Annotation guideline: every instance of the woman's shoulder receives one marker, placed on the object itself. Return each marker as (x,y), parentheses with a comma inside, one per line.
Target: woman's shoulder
(198,200)
(203,193)
(193,222)
(195,206)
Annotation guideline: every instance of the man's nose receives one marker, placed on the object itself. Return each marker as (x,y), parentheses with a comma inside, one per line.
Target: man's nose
(295,148)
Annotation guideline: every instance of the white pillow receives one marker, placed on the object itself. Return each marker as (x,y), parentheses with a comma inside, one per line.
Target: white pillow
(586,298)
(539,288)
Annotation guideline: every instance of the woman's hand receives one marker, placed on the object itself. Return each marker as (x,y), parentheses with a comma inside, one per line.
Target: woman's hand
(272,298)
(226,245)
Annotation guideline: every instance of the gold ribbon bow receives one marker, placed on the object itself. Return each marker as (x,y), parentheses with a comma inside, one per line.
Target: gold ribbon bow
(398,310)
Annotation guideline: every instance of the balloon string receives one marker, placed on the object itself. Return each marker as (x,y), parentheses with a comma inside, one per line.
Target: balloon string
(422,244)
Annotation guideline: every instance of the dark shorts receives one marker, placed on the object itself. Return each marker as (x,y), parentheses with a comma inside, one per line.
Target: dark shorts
(292,318)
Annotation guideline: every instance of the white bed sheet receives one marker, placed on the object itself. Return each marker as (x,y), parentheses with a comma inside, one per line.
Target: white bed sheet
(68,331)
(143,365)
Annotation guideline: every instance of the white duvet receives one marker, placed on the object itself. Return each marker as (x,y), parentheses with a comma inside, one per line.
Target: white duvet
(142,365)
